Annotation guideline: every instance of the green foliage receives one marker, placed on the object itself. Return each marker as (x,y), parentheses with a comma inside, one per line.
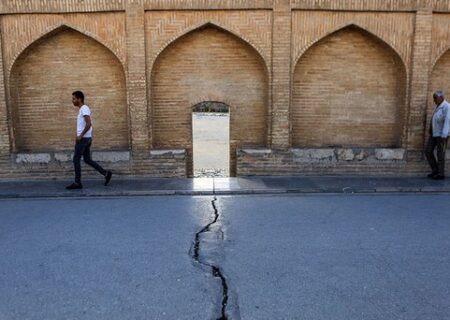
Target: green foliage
(211,106)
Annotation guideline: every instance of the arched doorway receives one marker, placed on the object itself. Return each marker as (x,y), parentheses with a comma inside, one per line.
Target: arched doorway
(209,64)
(211,139)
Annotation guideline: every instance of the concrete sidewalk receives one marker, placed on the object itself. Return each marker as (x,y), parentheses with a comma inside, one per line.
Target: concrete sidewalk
(127,186)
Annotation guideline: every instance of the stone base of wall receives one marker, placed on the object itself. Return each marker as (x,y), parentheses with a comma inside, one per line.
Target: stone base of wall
(250,162)
(158,163)
(329,161)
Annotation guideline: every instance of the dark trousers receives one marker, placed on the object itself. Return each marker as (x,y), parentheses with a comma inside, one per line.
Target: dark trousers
(437,165)
(83,148)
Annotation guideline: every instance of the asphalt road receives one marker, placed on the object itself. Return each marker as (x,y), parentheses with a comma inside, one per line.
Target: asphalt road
(339,257)
(282,257)
(101,259)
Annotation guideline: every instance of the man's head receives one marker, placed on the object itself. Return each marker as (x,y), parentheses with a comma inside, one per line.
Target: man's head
(438,97)
(77,98)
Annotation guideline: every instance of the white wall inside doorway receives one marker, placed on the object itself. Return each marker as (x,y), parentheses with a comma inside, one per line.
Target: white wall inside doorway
(211,144)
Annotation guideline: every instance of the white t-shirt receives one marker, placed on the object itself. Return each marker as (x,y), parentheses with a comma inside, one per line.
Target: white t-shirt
(81,123)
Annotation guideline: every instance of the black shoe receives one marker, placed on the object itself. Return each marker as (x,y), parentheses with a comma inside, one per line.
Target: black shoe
(75,186)
(438,177)
(432,175)
(108,177)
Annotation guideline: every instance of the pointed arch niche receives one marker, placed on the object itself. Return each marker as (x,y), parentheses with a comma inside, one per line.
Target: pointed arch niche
(209,64)
(439,81)
(42,80)
(349,90)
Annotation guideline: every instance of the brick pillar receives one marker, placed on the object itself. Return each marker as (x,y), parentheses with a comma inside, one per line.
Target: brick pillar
(281,74)
(136,79)
(420,77)
(5,142)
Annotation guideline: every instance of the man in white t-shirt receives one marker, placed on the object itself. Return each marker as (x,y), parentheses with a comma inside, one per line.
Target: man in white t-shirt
(83,142)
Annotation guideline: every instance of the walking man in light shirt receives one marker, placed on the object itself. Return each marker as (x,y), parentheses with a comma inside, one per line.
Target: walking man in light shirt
(439,131)
(83,142)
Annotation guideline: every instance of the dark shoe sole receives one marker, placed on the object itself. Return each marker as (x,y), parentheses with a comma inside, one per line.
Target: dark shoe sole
(438,178)
(74,187)
(108,178)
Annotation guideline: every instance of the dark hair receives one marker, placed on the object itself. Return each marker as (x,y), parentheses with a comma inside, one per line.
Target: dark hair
(79,95)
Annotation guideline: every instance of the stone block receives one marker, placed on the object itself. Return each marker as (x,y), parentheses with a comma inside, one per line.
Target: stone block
(314,154)
(389,154)
(167,152)
(345,154)
(362,155)
(111,156)
(33,158)
(256,152)
(63,157)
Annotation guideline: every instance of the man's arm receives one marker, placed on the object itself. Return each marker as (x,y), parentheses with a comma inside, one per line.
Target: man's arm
(87,119)
(446,128)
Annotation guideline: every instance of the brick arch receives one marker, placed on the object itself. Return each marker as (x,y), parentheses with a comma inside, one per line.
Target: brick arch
(209,64)
(210,24)
(349,90)
(440,56)
(222,103)
(439,81)
(343,27)
(42,79)
(210,99)
(55,29)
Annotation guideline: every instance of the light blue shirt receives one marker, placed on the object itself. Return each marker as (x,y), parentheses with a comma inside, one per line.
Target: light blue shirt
(441,120)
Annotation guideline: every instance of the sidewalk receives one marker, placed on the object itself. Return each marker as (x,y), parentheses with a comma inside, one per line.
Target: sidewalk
(127,186)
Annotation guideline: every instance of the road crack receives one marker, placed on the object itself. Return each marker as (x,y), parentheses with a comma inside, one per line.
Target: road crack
(214,268)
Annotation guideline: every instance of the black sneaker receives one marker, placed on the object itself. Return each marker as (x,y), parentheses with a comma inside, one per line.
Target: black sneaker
(108,177)
(438,177)
(75,186)
(432,175)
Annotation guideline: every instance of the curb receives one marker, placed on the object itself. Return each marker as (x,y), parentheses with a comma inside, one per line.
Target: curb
(349,190)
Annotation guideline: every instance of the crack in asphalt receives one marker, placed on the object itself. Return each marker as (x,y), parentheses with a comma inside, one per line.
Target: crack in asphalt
(215,269)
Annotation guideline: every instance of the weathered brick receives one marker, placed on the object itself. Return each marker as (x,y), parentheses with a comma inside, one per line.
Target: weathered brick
(349,90)
(42,81)
(209,65)
(347,84)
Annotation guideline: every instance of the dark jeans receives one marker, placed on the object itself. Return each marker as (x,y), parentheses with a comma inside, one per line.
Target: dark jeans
(437,166)
(83,148)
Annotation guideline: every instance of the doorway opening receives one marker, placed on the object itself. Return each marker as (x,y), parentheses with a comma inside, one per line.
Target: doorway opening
(211,139)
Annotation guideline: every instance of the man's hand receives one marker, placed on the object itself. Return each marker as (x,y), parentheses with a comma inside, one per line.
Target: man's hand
(78,139)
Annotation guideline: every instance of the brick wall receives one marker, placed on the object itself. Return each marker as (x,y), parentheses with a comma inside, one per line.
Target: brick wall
(209,65)
(4,126)
(440,79)
(361,71)
(348,90)
(42,81)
